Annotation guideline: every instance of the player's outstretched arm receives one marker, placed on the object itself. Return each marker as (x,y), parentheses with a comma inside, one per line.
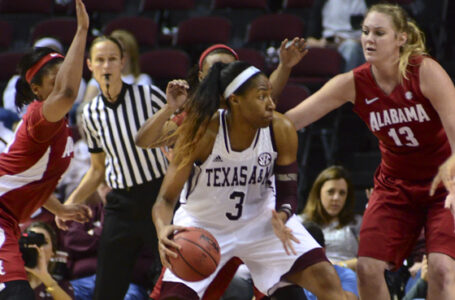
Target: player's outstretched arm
(291,52)
(336,92)
(158,127)
(68,79)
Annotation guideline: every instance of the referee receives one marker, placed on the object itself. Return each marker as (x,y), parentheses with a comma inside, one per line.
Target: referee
(111,121)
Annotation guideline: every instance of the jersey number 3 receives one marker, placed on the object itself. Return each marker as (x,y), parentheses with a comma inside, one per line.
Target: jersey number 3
(239,197)
(406,133)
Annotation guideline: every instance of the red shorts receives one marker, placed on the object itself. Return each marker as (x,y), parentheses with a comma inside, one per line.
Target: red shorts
(11,263)
(397,210)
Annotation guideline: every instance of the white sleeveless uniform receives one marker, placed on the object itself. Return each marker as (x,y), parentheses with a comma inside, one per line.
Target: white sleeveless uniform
(232,196)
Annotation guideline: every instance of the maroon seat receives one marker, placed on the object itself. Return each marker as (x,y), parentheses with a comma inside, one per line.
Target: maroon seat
(291,96)
(318,66)
(206,29)
(62,29)
(144,29)
(26,6)
(297,4)
(6,34)
(275,27)
(253,56)
(164,65)
(240,4)
(166,5)
(105,5)
(9,62)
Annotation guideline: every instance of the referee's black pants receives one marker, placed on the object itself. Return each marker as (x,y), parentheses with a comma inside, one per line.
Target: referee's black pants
(127,228)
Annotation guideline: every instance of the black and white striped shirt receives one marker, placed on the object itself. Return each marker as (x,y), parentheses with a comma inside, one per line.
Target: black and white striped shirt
(112,127)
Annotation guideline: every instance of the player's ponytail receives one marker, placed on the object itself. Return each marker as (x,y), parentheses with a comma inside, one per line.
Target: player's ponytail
(200,109)
(415,43)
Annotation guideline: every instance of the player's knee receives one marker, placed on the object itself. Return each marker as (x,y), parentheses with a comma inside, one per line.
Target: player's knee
(441,272)
(369,270)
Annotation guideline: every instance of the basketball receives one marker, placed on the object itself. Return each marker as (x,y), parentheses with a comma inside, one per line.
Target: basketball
(199,256)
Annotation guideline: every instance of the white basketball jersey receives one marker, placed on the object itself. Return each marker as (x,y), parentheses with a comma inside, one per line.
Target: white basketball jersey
(230,187)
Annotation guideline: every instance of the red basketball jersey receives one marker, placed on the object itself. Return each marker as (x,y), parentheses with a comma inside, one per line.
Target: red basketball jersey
(32,164)
(412,141)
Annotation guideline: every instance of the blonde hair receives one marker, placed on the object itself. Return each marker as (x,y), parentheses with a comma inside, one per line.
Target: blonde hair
(131,47)
(415,44)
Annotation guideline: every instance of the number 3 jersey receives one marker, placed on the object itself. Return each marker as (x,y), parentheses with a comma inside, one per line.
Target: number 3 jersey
(232,187)
(412,141)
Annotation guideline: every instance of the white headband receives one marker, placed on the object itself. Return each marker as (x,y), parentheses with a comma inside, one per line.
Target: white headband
(239,80)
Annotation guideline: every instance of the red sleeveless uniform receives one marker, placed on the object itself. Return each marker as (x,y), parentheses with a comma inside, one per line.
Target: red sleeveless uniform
(413,144)
(30,168)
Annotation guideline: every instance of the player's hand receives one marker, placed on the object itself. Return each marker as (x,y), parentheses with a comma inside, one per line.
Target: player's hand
(72,212)
(284,233)
(166,244)
(449,203)
(291,52)
(446,174)
(82,16)
(177,93)
(424,273)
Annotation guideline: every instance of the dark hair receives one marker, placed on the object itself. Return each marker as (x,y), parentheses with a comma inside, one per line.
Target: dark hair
(204,103)
(316,232)
(314,210)
(104,38)
(193,73)
(48,228)
(24,93)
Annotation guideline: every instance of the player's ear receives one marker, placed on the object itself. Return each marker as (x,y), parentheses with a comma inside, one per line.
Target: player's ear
(233,99)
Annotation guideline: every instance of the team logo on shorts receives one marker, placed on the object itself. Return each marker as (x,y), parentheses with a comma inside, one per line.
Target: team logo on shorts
(264,159)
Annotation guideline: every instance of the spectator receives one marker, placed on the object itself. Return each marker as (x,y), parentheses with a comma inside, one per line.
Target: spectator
(39,277)
(336,23)
(330,204)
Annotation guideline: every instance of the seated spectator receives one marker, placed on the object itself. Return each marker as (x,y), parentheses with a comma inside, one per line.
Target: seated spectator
(42,282)
(131,72)
(417,288)
(330,204)
(348,277)
(336,23)
(9,94)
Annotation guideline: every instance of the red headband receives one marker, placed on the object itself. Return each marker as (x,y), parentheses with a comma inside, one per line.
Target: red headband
(36,67)
(214,47)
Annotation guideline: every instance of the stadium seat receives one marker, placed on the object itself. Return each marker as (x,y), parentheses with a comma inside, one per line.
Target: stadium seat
(253,56)
(291,95)
(271,29)
(26,6)
(196,34)
(6,35)
(166,5)
(239,4)
(62,28)
(104,5)
(318,66)
(164,65)
(144,29)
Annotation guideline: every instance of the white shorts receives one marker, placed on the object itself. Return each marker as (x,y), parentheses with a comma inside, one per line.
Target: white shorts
(256,244)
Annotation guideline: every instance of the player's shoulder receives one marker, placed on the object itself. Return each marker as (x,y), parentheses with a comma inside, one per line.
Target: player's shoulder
(281,123)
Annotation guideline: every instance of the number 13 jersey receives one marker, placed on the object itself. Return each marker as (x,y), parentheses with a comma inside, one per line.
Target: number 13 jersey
(231,187)
(412,141)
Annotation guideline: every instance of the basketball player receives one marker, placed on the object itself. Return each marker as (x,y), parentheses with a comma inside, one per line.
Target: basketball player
(408,101)
(154,132)
(228,158)
(32,164)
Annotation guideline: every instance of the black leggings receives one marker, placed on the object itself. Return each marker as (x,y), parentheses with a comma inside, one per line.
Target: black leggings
(17,290)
